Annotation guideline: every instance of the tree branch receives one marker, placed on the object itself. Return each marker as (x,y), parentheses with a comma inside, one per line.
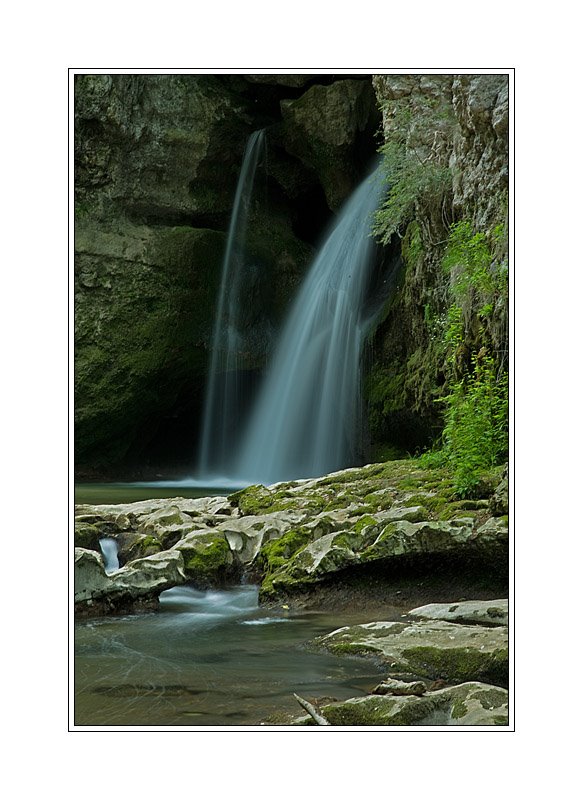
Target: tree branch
(318,718)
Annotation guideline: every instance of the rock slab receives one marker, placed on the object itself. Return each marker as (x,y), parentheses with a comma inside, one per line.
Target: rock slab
(472,703)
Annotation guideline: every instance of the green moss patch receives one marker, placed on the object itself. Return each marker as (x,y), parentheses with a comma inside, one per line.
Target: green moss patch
(207,559)
(459,664)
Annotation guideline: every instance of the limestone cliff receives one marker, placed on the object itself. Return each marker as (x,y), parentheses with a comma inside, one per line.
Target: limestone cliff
(446,156)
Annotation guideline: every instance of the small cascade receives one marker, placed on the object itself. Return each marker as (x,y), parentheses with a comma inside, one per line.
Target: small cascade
(306,421)
(223,394)
(109,552)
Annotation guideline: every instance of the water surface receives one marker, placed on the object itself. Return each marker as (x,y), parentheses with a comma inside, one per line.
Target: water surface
(108,493)
(208,658)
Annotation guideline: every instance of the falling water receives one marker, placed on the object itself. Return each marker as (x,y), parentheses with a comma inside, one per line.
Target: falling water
(223,400)
(108,549)
(306,420)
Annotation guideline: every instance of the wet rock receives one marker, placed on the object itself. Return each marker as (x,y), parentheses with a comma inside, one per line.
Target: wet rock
(143,579)
(376,542)
(430,649)
(400,688)
(246,535)
(471,703)
(90,579)
(151,574)
(492,535)
(134,545)
(488,612)
(207,558)
(87,535)
(322,128)
(498,503)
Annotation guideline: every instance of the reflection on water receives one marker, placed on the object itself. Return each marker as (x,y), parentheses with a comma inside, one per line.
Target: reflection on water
(108,493)
(208,658)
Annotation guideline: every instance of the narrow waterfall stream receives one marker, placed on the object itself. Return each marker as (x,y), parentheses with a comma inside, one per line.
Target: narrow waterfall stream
(223,400)
(307,418)
(108,549)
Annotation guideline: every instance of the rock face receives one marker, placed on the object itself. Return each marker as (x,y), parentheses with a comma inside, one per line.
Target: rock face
(293,536)
(323,128)
(456,127)
(466,704)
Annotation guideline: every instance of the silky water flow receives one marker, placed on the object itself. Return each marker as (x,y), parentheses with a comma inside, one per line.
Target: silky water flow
(223,394)
(306,421)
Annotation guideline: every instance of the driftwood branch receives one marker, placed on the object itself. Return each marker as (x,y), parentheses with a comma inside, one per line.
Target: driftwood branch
(318,718)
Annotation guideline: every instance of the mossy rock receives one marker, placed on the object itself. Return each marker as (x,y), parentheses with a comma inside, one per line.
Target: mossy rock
(323,128)
(134,545)
(87,536)
(208,560)
(257,500)
(137,339)
(434,649)
(277,552)
(459,664)
(473,703)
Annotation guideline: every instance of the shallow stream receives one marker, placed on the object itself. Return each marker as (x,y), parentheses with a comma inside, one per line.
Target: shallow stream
(209,658)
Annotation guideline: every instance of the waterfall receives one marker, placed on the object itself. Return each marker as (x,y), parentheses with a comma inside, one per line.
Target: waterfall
(223,393)
(306,421)
(108,549)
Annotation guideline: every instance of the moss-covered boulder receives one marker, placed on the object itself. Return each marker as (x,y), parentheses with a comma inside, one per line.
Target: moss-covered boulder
(248,535)
(87,536)
(433,649)
(90,579)
(471,703)
(132,545)
(208,560)
(366,541)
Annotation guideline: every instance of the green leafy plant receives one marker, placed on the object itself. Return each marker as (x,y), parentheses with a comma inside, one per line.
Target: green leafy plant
(475,436)
(472,262)
(415,177)
(454,330)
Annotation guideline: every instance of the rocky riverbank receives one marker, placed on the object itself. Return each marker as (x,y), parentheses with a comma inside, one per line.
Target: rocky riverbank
(423,655)
(385,521)
(370,537)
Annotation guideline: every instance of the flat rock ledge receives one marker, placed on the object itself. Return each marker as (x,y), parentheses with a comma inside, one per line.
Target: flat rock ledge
(481,612)
(433,649)
(472,703)
(288,537)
